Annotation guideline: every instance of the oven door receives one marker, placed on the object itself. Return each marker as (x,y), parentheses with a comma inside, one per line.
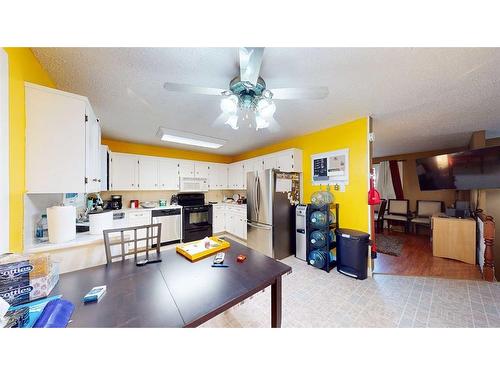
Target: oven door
(197,217)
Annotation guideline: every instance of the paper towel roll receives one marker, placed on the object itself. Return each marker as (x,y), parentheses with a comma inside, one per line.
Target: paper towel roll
(62,223)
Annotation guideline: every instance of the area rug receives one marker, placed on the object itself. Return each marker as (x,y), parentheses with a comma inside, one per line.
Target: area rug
(390,245)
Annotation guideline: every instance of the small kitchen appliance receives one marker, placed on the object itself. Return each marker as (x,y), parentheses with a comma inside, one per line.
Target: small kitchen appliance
(116,202)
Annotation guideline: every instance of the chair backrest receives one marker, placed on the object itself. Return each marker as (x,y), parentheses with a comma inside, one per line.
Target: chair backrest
(429,208)
(132,241)
(381,209)
(399,206)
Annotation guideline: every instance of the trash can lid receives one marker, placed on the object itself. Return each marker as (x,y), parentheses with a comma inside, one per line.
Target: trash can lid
(351,233)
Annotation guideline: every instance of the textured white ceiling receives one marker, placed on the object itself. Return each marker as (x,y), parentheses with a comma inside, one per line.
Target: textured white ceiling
(420,98)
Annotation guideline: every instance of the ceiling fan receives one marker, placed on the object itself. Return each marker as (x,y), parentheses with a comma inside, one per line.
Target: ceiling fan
(248,99)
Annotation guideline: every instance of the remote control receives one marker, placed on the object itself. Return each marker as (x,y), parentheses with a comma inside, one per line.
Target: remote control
(219,258)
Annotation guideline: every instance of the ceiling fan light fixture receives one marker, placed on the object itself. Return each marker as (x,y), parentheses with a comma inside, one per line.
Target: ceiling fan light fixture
(266,107)
(229,104)
(233,122)
(260,123)
(177,136)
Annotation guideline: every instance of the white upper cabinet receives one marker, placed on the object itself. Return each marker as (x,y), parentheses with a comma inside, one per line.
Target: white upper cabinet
(168,174)
(201,170)
(236,176)
(59,147)
(270,162)
(186,168)
(289,160)
(124,171)
(148,173)
(217,176)
(156,173)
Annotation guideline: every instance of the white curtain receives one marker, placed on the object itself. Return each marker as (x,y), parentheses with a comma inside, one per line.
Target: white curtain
(383,182)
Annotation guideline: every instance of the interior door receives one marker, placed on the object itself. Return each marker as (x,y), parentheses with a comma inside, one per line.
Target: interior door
(148,173)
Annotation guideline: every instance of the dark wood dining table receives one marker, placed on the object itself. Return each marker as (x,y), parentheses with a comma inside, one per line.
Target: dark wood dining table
(173,293)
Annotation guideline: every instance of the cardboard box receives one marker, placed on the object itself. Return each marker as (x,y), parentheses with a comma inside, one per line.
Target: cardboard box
(41,264)
(14,278)
(42,286)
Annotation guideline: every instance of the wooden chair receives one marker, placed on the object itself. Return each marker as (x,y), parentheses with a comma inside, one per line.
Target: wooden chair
(398,210)
(379,211)
(425,210)
(145,238)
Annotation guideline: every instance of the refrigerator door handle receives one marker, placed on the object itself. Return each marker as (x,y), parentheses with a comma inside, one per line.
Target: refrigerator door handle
(255,206)
(254,225)
(258,196)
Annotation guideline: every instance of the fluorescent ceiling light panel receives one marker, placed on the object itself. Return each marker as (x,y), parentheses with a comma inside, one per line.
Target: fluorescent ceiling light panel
(177,136)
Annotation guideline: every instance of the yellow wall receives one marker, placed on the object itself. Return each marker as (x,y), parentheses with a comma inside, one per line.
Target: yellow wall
(23,66)
(135,148)
(353,206)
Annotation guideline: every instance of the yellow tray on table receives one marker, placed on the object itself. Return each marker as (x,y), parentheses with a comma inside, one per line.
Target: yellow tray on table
(196,250)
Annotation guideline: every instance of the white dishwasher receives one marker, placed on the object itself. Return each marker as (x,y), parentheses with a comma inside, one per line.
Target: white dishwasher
(170,220)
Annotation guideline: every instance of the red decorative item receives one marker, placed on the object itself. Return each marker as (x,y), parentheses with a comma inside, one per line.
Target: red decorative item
(373,194)
(241,258)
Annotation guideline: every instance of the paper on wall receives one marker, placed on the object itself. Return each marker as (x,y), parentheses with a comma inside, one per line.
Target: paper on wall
(283,185)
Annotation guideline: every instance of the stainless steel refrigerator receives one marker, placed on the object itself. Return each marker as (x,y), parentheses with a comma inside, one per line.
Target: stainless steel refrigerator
(271,199)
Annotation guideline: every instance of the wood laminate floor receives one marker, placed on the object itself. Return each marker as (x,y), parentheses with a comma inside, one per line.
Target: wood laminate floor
(417,260)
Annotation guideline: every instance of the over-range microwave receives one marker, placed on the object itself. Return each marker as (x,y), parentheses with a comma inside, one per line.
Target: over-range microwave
(193,184)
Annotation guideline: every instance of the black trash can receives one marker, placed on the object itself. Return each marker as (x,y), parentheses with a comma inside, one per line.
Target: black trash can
(352,252)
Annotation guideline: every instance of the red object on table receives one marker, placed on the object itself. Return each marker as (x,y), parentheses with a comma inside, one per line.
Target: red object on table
(241,258)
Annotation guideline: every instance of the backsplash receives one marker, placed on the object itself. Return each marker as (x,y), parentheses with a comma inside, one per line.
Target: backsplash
(145,196)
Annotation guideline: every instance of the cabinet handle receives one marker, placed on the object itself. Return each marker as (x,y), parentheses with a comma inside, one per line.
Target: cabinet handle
(99,180)
(94,179)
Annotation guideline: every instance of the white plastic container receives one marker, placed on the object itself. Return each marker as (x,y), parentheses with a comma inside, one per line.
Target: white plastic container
(100,221)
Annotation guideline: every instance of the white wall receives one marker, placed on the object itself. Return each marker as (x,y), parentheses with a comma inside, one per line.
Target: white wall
(4,152)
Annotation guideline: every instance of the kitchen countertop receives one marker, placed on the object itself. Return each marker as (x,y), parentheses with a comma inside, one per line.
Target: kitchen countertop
(86,238)
(81,239)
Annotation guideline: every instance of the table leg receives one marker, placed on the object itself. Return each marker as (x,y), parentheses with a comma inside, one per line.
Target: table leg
(276,303)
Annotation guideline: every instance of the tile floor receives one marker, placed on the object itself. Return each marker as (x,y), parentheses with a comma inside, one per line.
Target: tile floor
(314,298)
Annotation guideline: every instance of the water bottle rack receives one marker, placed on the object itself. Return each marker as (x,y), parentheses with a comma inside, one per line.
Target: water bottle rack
(329,245)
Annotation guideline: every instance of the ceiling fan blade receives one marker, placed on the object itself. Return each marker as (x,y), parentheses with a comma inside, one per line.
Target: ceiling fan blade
(191,89)
(300,93)
(250,62)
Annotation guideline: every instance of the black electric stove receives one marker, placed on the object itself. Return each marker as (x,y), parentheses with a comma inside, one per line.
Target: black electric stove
(196,216)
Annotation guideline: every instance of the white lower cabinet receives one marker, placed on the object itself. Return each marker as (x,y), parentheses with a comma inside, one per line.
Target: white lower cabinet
(219,219)
(135,219)
(236,221)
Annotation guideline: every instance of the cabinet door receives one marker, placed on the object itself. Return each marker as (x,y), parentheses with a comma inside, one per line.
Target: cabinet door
(186,168)
(223,176)
(148,173)
(213,177)
(168,174)
(285,162)
(201,170)
(270,162)
(136,219)
(92,152)
(124,171)
(55,141)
